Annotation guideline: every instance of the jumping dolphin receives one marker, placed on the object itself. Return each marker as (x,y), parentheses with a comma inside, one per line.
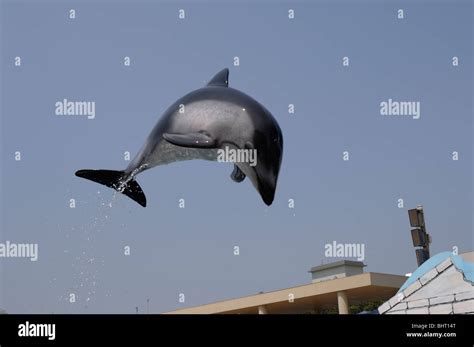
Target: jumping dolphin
(197,126)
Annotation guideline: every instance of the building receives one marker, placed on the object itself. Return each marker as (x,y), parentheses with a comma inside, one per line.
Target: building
(336,285)
(443,284)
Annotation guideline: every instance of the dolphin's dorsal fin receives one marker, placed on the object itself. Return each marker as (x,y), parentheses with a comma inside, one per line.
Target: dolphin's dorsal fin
(221,79)
(192,140)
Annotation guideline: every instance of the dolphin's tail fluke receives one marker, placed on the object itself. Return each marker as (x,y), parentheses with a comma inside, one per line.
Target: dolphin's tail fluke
(117,180)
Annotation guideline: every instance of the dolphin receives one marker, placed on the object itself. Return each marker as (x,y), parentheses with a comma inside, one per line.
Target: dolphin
(198,126)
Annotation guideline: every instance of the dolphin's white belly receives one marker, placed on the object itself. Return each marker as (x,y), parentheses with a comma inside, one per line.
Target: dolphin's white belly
(166,153)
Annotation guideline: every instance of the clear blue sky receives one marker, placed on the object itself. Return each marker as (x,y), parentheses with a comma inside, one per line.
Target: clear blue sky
(282,61)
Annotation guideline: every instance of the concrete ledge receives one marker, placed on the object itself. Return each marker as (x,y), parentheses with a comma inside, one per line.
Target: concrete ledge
(412,288)
(418,303)
(442,299)
(464,306)
(384,307)
(444,265)
(441,309)
(465,295)
(400,306)
(421,310)
(396,299)
(428,276)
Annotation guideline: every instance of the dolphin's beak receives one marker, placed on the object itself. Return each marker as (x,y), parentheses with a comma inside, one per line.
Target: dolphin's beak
(267,191)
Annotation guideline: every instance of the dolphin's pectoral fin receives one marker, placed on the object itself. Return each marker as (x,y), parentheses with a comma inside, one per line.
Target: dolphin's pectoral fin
(237,175)
(194,140)
(221,79)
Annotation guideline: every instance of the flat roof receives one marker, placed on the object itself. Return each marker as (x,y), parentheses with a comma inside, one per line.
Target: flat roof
(358,288)
(337,264)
